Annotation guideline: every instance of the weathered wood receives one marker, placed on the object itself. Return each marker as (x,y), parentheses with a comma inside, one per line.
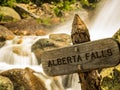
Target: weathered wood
(81,57)
(80,34)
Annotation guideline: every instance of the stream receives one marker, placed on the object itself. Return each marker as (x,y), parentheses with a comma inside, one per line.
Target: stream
(104,24)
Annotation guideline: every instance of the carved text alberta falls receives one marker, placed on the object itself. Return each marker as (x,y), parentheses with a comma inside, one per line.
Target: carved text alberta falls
(79,58)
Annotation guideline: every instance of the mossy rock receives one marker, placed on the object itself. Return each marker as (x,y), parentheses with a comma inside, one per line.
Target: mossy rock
(5,83)
(117,36)
(111,76)
(8,14)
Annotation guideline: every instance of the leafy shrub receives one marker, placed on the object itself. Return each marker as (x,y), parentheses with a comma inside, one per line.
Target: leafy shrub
(65,6)
(89,3)
(7,2)
(23,1)
(10,3)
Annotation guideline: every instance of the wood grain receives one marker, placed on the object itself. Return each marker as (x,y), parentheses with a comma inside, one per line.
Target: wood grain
(81,57)
(80,34)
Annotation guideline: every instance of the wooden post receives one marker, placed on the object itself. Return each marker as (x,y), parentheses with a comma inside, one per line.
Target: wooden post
(80,34)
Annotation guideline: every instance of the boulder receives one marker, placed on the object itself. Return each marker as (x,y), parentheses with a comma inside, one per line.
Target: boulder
(42,45)
(5,83)
(28,27)
(111,76)
(5,34)
(9,14)
(62,37)
(45,44)
(24,79)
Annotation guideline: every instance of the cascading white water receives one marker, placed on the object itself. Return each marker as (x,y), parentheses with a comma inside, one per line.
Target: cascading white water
(107,20)
(15,55)
(105,24)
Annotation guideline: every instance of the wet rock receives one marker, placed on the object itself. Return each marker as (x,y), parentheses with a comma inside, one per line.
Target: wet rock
(19,50)
(18,40)
(60,37)
(40,33)
(28,27)
(5,83)
(5,34)
(9,14)
(42,45)
(55,20)
(24,79)
(54,41)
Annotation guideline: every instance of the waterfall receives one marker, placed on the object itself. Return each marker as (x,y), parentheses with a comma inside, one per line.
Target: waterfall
(107,20)
(105,24)
(14,55)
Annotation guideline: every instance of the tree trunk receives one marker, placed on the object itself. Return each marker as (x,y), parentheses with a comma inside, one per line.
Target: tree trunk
(80,34)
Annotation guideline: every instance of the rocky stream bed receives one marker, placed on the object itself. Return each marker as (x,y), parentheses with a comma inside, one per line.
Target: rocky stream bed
(24,39)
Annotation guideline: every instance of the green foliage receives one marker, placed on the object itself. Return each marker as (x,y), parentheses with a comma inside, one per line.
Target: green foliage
(111,81)
(65,6)
(7,2)
(23,1)
(88,3)
(6,18)
(10,3)
(56,11)
(1,17)
(44,21)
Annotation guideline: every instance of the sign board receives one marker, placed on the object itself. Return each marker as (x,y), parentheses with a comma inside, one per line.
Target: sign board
(81,57)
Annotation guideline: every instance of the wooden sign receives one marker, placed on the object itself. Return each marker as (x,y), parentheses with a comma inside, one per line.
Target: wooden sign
(81,57)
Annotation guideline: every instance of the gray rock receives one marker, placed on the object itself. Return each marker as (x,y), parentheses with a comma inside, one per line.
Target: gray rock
(55,41)
(9,14)
(42,45)
(60,37)
(5,83)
